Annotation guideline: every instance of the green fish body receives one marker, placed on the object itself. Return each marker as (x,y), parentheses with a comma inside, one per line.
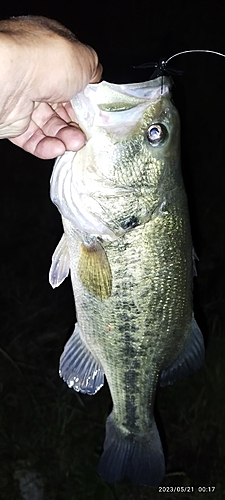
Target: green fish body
(127,244)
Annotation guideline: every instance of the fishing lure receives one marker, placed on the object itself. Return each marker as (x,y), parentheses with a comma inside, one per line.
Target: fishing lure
(163,70)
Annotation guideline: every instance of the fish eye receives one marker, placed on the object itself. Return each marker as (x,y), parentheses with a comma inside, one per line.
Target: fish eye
(157,134)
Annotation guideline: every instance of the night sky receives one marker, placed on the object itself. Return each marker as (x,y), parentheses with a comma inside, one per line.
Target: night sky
(127,33)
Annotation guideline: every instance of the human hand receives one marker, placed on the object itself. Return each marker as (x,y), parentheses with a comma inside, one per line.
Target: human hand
(43,66)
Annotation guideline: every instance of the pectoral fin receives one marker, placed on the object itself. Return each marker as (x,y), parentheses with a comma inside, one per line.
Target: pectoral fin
(60,267)
(94,270)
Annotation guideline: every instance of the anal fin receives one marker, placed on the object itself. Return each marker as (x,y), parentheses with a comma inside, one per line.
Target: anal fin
(78,368)
(188,361)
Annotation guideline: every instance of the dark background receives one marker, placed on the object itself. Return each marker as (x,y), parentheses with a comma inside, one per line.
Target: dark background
(45,429)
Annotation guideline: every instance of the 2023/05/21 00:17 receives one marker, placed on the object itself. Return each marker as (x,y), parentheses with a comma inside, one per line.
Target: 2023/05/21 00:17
(186,489)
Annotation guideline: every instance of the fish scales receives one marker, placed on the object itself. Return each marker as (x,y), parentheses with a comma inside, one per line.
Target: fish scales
(139,312)
(127,243)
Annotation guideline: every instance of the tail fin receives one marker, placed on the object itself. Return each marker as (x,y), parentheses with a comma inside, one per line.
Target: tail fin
(140,458)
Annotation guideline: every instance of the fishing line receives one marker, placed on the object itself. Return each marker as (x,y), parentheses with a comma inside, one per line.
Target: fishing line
(192,50)
(161,66)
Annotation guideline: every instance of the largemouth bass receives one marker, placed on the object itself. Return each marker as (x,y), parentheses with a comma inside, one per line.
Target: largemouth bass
(127,244)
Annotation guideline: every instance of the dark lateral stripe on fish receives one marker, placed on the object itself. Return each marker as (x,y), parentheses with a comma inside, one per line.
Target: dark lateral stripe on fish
(78,368)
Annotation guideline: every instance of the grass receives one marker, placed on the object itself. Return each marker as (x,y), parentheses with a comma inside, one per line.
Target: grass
(55,434)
